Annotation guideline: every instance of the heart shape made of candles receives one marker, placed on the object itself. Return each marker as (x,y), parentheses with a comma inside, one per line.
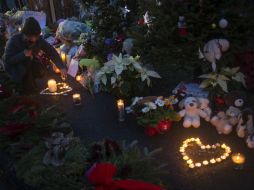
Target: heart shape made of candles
(192,164)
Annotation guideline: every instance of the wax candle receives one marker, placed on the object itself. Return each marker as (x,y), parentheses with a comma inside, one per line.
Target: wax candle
(52,86)
(78,78)
(57,70)
(238,158)
(76,99)
(120,106)
(63,56)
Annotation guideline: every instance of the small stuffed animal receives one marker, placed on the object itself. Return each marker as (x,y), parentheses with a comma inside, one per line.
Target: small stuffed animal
(225,121)
(204,105)
(191,112)
(245,127)
(250,141)
(213,49)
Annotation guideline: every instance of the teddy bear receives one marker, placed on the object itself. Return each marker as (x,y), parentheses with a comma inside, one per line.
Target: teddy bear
(213,50)
(245,127)
(192,111)
(204,105)
(225,121)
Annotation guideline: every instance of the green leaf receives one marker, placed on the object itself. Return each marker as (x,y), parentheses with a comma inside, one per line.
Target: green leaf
(113,80)
(206,83)
(239,77)
(153,74)
(208,76)
(118,69)
(223,85)
(104,79)
(222,77)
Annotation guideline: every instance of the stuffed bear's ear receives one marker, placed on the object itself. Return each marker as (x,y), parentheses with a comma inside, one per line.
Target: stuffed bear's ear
(181,103)
(231,97)
(203,102)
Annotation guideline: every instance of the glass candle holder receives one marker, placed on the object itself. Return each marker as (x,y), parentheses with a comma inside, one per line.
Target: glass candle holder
(238,159)
(120,106)
(76,99)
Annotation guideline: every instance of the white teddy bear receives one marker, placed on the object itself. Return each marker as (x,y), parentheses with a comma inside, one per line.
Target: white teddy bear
(213,49)
(204,105)
(192,112)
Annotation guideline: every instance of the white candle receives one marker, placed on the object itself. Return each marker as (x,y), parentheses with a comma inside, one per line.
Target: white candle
(76,99)
(52,86)
(120,106)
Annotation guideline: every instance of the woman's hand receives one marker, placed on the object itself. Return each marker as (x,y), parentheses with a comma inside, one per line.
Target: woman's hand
(63,74)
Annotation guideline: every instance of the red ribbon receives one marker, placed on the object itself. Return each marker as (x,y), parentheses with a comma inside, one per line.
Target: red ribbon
(101,175)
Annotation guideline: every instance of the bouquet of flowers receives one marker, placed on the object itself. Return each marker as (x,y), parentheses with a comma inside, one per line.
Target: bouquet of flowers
(156,114)
(125,76)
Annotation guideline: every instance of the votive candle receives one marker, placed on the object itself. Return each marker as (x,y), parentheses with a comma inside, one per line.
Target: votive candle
(76,99)
(120,106)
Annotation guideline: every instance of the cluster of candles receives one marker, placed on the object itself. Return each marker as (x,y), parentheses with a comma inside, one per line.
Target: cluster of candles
(192,164)
(64,88)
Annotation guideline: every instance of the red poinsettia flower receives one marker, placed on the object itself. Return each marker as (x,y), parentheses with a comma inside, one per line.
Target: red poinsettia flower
(141,21)
(151,131)
(164,125)
(219,100)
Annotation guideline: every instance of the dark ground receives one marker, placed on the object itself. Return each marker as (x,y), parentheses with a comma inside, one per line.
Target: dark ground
(97,119)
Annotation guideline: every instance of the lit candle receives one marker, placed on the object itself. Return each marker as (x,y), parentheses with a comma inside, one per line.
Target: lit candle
(63,56)
(189,162)
(198,164)
(76,99)
(212,161)
(191,166)
(78,78)
(238,158)
(218,159)
(186,158)
(57,70)
(52,86)
(120,106)
(205,162)
(19,29)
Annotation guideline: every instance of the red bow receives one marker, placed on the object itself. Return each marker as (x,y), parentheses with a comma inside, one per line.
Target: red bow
(102,175)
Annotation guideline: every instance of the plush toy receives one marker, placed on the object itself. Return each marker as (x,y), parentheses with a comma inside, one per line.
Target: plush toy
(204,105)
(213,49)
(192,112)
(225,121)
(245,127)
(250,141)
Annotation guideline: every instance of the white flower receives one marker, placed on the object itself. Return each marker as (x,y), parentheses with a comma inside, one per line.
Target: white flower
(159,102)
(128,110)
(136,100)
(151,105)
(145,109)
